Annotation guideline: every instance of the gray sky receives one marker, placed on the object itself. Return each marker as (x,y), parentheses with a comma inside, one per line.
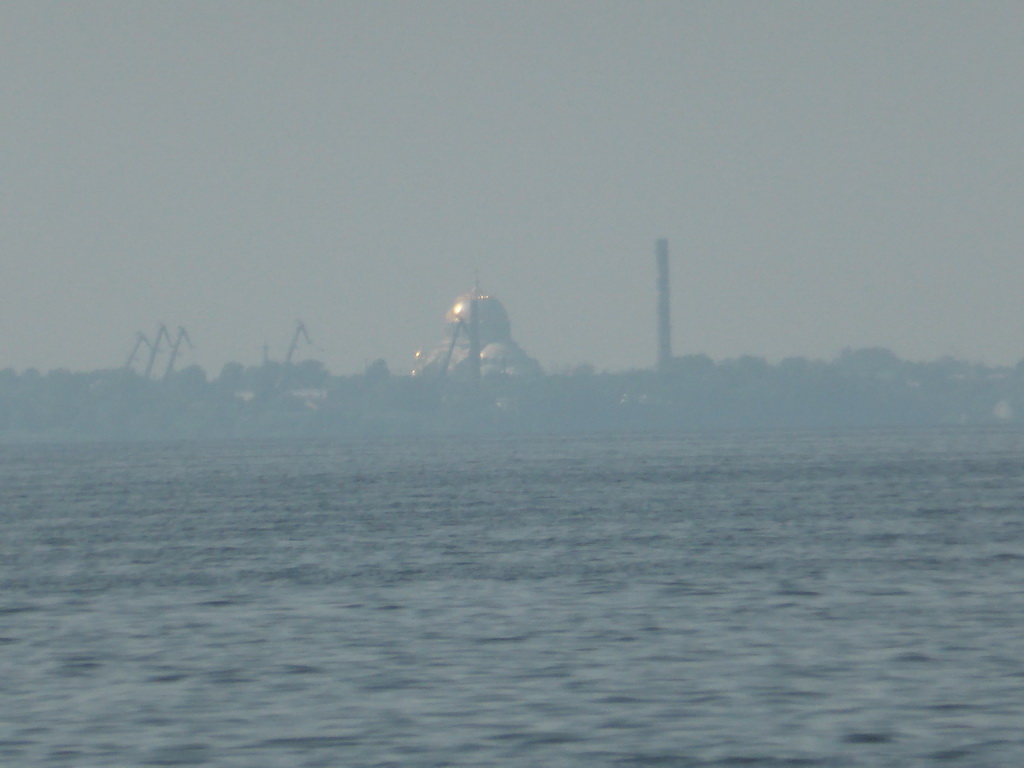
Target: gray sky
(829,175)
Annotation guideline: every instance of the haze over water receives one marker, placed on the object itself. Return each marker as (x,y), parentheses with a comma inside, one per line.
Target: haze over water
(830,175)
(775,598)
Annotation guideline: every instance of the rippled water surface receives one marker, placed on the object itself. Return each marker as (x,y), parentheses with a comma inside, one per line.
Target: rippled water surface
(849,599)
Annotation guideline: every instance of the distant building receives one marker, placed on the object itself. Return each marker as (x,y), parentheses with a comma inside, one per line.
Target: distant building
(477,343)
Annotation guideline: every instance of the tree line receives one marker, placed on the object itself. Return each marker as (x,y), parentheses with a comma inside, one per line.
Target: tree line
(867,387)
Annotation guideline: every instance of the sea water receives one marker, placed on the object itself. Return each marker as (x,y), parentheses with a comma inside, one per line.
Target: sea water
(833,599)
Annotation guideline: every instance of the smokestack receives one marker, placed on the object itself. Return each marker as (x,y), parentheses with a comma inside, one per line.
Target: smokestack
(664,324)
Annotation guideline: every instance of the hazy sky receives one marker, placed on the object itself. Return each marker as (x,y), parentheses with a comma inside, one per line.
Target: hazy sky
(829,175)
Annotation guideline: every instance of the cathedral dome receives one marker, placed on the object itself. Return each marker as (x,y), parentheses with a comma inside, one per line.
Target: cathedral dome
(492,319)
(499,354)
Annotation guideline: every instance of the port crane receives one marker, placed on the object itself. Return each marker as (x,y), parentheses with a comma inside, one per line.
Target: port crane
(300,332)
(140,341)
(182,336)
(162,335)
(154,348)
(470,327)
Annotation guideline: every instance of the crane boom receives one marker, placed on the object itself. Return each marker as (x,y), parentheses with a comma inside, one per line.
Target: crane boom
(300,331)
(182,336)
(154,348)
(140,340)
(459,326)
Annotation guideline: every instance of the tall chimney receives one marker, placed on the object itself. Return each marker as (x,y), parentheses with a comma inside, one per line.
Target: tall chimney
(664,324)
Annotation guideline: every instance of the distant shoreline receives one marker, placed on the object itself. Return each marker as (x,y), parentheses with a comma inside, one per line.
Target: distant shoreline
(861,388)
